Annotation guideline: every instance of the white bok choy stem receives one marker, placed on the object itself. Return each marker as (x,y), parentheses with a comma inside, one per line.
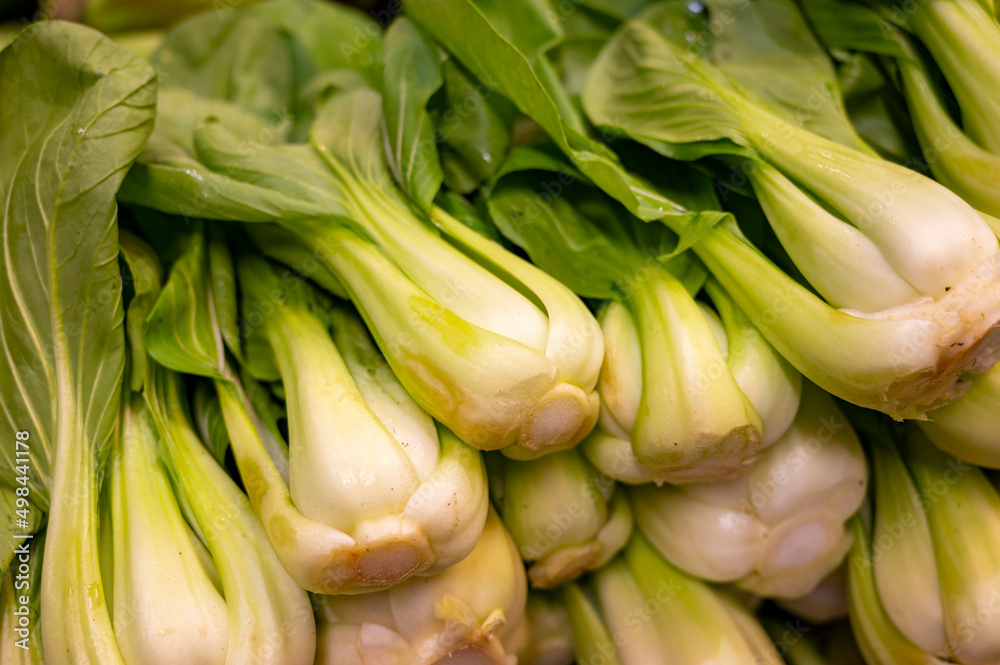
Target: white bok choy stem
(565,516)
(643,610)
(469,614)
(378,492)
(270,617)
(923,586)
(166,606)
(778,529)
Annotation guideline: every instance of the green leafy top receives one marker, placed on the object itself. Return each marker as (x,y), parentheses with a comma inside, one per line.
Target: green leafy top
(240,58)
(506,45)
(442,124)
(769,49)
(327,36)
(853,26)
(413,74)
(576,232)
(695,81)
(77,110)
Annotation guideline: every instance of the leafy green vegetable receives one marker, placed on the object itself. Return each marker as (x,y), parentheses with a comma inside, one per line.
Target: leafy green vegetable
(341,392)
(269,615)
(77,110)
(180,333)
(413,74)
(672,408)
(666,615)
(476,127)
(165,603)
(347,538)
(830,208)
(781,541)
(505,45)
(767,47)
(240,58)
(451,616)
(491,309)
(566,518)
(920,589)
(326,36)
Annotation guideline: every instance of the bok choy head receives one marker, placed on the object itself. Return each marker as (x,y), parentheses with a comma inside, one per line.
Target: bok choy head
(460,320)
(339,521)
(156,549)
(685,395)
(268,615)
(639,609)
(565,516)
(923,580)
(903,257)
(178,522)
(364,459)
(148,544)
(779,529)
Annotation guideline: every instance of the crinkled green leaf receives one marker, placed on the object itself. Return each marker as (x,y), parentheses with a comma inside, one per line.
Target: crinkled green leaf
(348,135)
(475,125)
(767,47)
(412,76)
(505,45)
(236,57)
(76,111)
(224,179)
(573,230)
(181,111)
(168,175)
(182,329)
(662,94)
(327,36)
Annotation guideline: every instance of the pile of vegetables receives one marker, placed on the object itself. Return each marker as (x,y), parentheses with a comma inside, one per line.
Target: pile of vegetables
(538,332)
